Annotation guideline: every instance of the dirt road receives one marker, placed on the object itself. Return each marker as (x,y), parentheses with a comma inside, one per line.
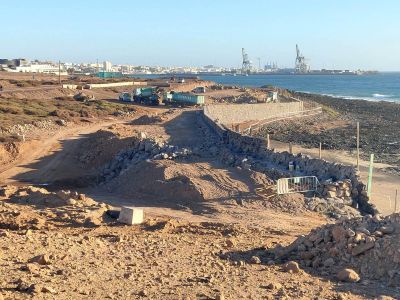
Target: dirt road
(32,166)
(30,89)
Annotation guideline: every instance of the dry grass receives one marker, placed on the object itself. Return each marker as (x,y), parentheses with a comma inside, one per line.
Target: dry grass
(26,111)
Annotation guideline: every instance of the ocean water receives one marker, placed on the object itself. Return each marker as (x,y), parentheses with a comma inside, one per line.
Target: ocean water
(377,87)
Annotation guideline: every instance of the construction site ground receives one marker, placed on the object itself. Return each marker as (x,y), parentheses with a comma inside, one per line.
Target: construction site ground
(206,209)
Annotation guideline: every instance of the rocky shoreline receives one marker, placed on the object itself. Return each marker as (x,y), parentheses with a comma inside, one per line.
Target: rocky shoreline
(336,127)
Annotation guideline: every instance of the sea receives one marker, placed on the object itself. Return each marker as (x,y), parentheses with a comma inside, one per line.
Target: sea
(374,87)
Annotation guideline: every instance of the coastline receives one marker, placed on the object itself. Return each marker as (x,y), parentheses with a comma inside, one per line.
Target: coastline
(381,98)
(335,128)
(383,86)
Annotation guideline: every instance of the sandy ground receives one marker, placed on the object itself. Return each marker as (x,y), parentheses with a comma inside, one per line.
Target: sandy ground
(165,264)
(161,259)
(203,210)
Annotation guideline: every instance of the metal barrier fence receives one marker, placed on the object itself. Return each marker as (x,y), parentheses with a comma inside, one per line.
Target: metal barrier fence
(307,109)
(297,185)
(261,123)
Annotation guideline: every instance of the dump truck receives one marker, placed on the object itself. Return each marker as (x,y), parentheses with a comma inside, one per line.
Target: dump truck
(199,90)
(126,97)
(147,95)
(183,98)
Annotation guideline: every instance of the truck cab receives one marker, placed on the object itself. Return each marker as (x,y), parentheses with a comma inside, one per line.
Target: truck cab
(146,96)
(199,90)
(125,96)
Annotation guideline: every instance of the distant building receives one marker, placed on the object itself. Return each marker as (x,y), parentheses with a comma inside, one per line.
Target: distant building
(39,68)
(13,62)
(107,66)
(36,68)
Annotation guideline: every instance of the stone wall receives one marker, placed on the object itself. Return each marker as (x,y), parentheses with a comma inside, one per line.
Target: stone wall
(279,161)
(114,84)
(238,113)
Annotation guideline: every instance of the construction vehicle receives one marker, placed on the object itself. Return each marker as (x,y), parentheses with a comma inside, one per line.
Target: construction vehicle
(199,90)
(146,96)
(125,97)
(183,98)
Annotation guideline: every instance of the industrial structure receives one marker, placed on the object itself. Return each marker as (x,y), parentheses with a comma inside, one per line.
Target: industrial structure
(301,66)
(246,64)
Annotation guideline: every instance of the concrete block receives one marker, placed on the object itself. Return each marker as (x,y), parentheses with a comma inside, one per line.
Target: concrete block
(131,215)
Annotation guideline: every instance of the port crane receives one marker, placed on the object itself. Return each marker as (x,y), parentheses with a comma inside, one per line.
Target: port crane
(246,63)
(301,65)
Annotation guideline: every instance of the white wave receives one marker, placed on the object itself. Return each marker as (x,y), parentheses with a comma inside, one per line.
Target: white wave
(373,99)
(381,95)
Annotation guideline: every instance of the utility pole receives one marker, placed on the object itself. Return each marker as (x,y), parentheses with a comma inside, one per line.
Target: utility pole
(371,167)
(320,150)
(59,72)
(358,146)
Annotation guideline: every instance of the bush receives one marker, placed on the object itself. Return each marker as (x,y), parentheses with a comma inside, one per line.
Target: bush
(30,112)
(65,98)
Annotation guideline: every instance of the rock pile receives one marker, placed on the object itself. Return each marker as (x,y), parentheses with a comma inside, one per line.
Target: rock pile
(50,208)
(332,207)
(246,97)
(143,148)
(342,189)
(21,129)
(342,182)
(368,246)
(83,97)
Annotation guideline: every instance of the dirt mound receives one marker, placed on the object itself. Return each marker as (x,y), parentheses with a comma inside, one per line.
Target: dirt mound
(36,208)
(83,97)
(101,147)
(246,96)
(154,118)
(291,203)
(148,120)
(153,182)
(368,245)
(142,148)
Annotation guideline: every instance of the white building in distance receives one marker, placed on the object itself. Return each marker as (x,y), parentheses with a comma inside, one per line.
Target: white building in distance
(107,66)
(39,68)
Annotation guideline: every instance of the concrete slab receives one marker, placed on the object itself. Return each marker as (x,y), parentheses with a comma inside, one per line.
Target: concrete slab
(131,215)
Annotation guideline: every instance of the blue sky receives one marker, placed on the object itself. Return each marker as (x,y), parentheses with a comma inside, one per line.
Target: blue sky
(331,34)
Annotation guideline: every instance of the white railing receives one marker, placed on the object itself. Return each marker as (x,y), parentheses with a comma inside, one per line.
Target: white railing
(297,185)
(261,123)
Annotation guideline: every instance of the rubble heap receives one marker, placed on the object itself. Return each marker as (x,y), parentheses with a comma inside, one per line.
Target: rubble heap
(143,148)
(50,208)
(341,189)
(366,245)
(335,208)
